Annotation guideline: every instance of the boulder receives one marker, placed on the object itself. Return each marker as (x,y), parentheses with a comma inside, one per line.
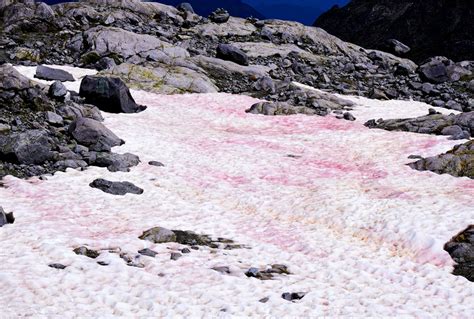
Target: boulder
(116,188)
(30,147)
(396,47)
(57,91)
(109,95)
(93,134)
(116,162)
(230,53)
(54,119)
(185,7)
(435,69)
(158,235)
(219,16)
(51,74)
(6,218)
(162,79)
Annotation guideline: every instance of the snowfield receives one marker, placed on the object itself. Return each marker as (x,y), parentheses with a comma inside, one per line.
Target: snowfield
(361,232)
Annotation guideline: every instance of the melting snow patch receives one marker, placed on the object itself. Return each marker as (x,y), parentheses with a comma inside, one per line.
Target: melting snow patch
(361,233)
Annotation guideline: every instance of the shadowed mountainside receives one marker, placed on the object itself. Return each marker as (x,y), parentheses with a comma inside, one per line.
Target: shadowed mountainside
(438,27)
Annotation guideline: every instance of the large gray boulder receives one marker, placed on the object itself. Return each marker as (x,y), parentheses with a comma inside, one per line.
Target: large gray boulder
(162,79)
(108,94)
(440,70)
(52,74)
(30,147)
(93,134)
(230,53)
(435,69)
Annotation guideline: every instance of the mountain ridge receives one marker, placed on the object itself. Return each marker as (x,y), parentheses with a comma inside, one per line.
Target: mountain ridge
(440,27)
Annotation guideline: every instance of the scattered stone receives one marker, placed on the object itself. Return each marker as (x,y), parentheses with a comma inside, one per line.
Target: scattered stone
(105,63)
(175,256)
(57,266)
(54,119)
(397,47)
(6,218)
(51,74)
(378,94)
(147,252)
(159,235)
(57,90)
(264,300)
(115,162)
(116,188)
(292,296)
(230,53)
(268,273)
(108,94)
(219,16)
(222,269)
(349,117)
(86,252)
(156,163)
(132,261)
(185,251)
(93,134)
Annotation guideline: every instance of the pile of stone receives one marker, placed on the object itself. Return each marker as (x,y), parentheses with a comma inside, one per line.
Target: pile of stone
(45,129)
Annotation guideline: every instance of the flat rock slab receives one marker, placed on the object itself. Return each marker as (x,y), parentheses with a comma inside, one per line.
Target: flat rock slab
(116,188)
(51,74)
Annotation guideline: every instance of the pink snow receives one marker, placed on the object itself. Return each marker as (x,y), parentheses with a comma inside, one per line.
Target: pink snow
(361,232)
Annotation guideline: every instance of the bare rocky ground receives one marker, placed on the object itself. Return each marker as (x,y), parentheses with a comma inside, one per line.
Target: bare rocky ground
(161,49)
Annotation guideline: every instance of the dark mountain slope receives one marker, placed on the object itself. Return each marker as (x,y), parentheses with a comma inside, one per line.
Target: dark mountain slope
(435,27)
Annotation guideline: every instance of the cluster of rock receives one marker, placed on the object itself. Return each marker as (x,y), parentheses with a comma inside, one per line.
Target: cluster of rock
(461,249)
(167,50)
(45,129)
(457,162)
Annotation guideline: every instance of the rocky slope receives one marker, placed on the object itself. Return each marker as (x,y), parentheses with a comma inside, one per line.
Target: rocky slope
(429,28)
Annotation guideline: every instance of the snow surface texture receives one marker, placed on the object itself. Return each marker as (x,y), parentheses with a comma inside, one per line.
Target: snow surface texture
(360,231)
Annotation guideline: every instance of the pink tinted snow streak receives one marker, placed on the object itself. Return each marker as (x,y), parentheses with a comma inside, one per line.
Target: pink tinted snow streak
(271,138)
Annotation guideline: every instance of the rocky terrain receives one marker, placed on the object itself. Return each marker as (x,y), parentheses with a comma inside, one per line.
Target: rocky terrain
(429,28)
(207,96)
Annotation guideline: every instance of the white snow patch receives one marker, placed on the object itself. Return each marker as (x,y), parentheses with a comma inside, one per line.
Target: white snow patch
(360,231)
(366,109)
(78,74)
